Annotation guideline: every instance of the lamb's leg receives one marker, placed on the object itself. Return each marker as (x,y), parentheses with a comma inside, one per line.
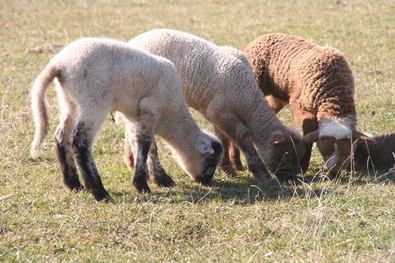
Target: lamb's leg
(65,156)
(128,152)
(141,145)
(82,139)
(234,155)
(240,134)
(225,166)
(309,125)
(64,150)
(156,172)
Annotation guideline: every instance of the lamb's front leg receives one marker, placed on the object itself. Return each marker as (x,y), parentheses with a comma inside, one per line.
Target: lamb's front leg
(239,133)
(225,167)
(309,124)
(156,172)
(142,143)
(255,165)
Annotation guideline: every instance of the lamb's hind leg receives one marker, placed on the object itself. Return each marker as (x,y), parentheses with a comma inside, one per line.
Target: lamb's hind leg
(64,150)
(82,139)
(65,156)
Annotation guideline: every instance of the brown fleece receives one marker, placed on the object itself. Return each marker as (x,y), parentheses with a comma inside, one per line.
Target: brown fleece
(314,81)
(310,78)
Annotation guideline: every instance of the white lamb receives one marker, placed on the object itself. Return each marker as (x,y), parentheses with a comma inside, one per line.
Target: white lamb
(97,76)
(222,87)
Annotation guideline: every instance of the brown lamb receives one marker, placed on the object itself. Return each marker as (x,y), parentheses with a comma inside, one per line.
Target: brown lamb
(317,84)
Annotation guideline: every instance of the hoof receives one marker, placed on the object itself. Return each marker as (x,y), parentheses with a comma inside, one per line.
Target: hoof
(227,171)
(164,181)
(204,180)
(284,178)
(74,185)
(142,187)
(103,196)
(263,178)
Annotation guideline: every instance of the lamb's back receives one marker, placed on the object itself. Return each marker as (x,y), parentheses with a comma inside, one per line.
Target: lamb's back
(207,71)
(319,78)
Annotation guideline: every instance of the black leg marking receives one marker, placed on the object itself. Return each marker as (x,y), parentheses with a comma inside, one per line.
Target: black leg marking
(140,173)
(82,151)
(67,166)
(157,173)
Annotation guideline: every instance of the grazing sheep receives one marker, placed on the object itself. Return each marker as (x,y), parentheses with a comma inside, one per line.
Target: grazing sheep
(222,87)
(317,84)
(380,155)
(96,76)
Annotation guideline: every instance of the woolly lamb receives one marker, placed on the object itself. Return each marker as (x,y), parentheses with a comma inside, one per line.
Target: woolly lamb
(317,84)
(96,76)
(222,88)
(380,155)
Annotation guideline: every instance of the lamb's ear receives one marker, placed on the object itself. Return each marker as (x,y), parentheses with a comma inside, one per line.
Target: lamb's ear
(204,148)
(362,137)
(311,137)
(278,138)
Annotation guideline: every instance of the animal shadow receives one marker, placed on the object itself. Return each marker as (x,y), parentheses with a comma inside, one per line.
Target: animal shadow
(245,191)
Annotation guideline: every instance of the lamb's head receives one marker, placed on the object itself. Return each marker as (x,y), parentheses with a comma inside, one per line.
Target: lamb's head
(201,162)
(336,139)
(286,148)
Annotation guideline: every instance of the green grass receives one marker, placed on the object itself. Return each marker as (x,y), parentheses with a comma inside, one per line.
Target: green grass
(234,219)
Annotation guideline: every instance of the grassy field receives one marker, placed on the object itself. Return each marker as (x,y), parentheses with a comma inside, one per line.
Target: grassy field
(234,219)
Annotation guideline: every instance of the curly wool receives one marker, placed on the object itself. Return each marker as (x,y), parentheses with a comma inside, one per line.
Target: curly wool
(318,78)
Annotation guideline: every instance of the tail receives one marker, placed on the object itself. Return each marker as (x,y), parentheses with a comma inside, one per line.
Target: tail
(39,108)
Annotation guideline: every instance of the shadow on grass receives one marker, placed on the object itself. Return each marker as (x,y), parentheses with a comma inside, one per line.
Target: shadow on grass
(244,190)
(240,191)
(358,176)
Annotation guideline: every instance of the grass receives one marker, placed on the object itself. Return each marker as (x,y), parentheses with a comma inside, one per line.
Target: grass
(234,219)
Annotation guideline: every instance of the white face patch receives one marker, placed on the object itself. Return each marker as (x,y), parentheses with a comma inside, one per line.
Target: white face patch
(340,128)
(334,136)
